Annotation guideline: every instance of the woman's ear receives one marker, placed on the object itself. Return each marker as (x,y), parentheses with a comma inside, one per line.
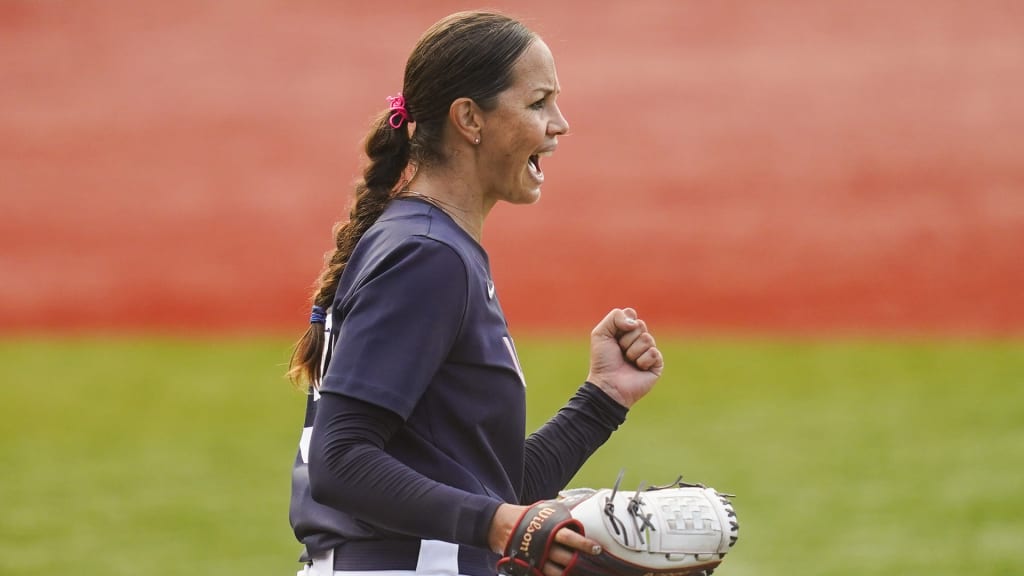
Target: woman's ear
(467,119)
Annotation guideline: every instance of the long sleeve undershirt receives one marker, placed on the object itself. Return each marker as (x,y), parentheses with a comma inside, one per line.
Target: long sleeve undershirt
(349,469)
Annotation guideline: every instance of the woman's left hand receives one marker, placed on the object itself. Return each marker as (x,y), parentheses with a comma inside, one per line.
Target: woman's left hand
(566,542)
(624,360)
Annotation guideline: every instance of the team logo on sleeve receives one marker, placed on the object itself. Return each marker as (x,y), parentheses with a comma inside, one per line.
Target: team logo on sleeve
(490,290)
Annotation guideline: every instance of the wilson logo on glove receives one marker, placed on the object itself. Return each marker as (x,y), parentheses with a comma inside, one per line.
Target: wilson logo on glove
(530,544)
(536,523)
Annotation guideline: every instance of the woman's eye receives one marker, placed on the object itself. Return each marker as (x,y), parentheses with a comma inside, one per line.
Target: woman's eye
(539,104)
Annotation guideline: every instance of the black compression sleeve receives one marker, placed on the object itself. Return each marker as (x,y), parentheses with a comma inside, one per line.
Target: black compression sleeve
(349,470)
(556,451)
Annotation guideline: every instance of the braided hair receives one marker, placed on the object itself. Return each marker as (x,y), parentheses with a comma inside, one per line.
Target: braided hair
(465,55)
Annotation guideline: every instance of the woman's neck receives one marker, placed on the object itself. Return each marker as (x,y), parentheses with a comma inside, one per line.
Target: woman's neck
(454,196)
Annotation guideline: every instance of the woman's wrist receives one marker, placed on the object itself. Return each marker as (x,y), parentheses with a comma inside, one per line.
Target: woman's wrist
(610,391)
(505,519)
(607,405)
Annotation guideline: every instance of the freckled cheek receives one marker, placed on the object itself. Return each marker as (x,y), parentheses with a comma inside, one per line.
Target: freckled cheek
(506,166)
(525,143)
(518,150)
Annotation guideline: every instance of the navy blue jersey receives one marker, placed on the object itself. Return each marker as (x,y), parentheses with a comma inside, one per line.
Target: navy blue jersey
(422,334)
(417,329)
(419,350)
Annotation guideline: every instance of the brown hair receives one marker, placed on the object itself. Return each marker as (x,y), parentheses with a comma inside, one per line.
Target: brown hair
(465,55)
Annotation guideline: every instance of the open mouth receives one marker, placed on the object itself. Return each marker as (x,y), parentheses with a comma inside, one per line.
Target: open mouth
(534,163)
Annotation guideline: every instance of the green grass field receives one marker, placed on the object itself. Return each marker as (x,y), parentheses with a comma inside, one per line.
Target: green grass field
(848,458)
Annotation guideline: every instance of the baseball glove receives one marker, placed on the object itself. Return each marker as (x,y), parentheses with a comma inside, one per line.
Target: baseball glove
(679,529)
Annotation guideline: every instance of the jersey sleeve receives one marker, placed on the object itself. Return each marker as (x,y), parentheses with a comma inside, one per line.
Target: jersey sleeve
(350,470)
(556,451)
(397,325)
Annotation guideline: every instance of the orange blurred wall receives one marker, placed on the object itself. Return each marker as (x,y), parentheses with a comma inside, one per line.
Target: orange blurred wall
(783,167)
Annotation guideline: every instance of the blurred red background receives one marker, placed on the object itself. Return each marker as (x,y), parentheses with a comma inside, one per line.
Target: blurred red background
(734,166)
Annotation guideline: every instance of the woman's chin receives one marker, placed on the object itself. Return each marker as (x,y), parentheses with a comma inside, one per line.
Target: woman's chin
(530,195)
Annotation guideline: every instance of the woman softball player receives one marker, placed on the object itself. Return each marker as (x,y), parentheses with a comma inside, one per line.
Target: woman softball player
(413,459)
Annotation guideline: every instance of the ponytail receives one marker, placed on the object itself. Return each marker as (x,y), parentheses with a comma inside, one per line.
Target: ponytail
(387,148)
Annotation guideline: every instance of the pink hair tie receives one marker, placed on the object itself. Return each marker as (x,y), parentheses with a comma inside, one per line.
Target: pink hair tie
(400,114)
